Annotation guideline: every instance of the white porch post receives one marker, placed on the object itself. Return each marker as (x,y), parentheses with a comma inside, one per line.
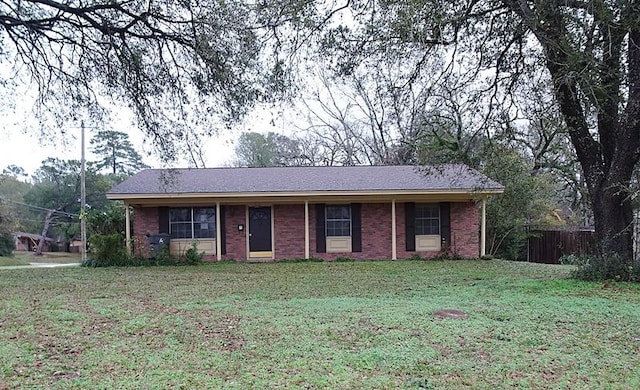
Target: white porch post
(127,228)
(483,227)
(218,233)
(394,249)
(306,229)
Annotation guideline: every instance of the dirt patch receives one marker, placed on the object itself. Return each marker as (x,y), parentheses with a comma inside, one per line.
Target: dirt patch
(227,331)
(451,313)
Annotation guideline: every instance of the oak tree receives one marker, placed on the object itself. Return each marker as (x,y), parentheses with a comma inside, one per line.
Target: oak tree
(589,50)
(180,66)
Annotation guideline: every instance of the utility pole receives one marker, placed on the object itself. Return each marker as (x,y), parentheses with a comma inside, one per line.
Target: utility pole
(83,199)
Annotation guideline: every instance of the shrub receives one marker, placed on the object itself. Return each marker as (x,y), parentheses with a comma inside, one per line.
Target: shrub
(602,267)
(192,256)
(447,255)
(163,257)
(110,220)
(7,245)
(106,250)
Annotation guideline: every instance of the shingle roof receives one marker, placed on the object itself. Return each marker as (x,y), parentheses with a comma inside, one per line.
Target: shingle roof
(32,236)
(450,177)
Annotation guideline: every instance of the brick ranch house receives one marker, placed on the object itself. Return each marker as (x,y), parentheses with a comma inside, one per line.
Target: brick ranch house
(360,212)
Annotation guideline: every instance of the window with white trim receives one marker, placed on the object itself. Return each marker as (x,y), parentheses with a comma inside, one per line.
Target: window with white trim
(338,220)
(192,222)
(427,219)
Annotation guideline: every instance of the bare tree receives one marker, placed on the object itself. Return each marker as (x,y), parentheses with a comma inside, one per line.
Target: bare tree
(589,50)
(178,65)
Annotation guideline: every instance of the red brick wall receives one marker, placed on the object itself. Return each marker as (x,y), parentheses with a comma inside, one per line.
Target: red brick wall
(465,232)
(465,235)
(376,233)
(145,222)
(288,228)
(235,240)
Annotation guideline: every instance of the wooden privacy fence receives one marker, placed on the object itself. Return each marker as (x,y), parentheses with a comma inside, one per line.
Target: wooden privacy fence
(549,245)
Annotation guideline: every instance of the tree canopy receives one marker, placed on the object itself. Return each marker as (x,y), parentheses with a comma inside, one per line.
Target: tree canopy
(116,153)
(180,66)
(587,54)
(8,223)
(270,150)
(56,191)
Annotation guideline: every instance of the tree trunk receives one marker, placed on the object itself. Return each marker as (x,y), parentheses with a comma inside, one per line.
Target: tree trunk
(45,231)
(613,218)
(608,158)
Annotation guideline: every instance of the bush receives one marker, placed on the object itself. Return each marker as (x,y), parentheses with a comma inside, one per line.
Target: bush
(107,250)
(192,256)
(7,245)
(111,220)
(602,267)
(447,255)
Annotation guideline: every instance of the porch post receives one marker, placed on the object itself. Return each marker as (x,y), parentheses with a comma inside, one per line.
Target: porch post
(483,227)
(306,229)
(127,228)
(394,249)
(218,233)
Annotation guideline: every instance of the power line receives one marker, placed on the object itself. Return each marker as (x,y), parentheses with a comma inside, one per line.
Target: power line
(58,212)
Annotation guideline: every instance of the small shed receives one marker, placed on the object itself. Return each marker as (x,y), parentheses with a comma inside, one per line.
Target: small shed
(29,242)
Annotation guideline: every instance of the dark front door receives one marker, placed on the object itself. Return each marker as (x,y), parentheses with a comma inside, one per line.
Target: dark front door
(259,229)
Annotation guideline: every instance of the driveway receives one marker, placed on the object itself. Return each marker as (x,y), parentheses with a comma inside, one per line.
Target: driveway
(41,265)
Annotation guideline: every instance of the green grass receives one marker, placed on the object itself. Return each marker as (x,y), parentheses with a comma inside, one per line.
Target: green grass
(317,325)
(25,257)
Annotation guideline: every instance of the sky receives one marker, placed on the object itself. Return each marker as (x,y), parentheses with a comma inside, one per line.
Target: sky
(28,152)
(25,148)
(21,144)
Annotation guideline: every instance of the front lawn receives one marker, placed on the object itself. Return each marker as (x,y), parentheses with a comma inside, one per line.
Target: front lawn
(317,325)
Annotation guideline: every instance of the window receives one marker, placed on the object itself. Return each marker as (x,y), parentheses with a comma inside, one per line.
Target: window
(338,220)
(427,219)
(196,222)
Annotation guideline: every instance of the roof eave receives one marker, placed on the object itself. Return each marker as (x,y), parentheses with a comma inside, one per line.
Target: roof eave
(302,194)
